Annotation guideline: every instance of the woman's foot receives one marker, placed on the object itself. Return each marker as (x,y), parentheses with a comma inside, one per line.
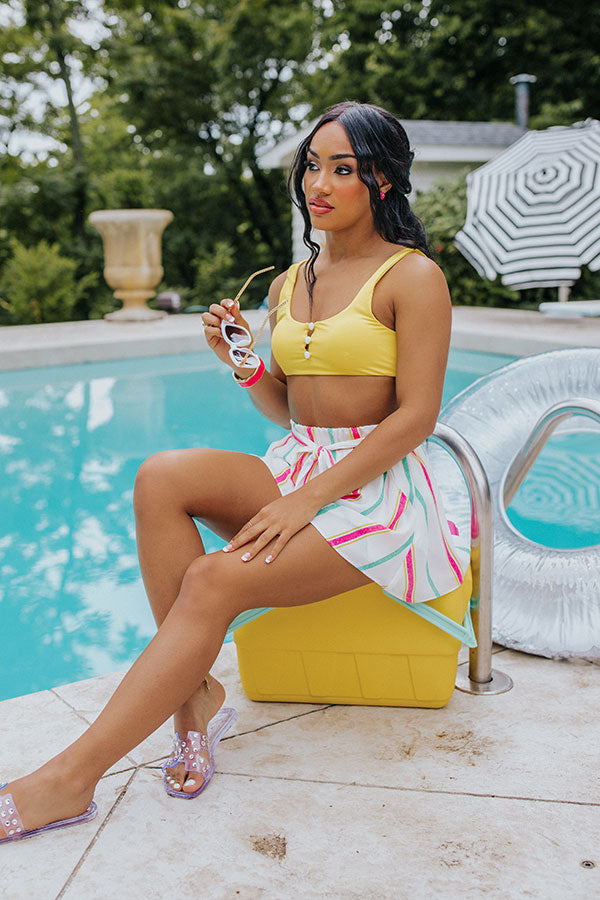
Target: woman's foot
(48,795)
(195,715)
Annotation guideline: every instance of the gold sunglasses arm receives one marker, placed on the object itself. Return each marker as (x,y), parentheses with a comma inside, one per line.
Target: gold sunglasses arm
(266,319)
(247,350)
(248,280)
(269,314)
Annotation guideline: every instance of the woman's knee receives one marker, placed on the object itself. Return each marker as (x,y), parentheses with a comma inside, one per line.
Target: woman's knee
(208,588)
(154,480)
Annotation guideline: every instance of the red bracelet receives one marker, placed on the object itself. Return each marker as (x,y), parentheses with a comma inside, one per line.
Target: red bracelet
(248,382)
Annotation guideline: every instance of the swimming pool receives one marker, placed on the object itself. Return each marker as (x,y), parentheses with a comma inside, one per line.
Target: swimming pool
(72,437)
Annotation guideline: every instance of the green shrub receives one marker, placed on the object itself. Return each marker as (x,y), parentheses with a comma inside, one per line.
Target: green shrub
(443,210)
(39,285)
(214,275)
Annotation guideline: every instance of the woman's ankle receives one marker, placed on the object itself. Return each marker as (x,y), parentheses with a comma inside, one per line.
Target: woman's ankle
(69,774)
(195,714)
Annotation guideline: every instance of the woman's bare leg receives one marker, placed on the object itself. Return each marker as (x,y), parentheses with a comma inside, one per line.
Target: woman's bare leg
(170,489)
(216,587)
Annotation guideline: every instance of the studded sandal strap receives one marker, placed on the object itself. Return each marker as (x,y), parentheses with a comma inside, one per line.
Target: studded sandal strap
(196,753)
(9,816)
(177,750)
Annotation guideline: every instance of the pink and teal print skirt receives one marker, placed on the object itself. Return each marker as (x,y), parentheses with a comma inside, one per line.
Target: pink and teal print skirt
(393,529)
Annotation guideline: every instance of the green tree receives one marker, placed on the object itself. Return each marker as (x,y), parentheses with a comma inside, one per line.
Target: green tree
(216,83)
(40,50)
(443,60)
(190,93)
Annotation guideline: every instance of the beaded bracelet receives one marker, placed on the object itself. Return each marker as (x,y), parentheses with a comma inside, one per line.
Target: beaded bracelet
(248,382)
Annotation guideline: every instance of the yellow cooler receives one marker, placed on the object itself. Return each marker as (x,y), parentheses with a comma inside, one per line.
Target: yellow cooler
(360,647)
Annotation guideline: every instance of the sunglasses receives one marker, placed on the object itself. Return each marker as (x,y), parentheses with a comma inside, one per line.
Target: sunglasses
(239,338)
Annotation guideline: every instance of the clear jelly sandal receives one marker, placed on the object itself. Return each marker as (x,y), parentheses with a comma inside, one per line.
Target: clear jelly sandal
(12,825)
(197,753)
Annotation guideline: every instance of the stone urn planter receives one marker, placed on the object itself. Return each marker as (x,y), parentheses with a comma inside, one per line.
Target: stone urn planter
(132,258)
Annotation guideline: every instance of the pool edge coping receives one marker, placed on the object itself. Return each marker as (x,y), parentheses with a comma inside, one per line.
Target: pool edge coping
(489,330)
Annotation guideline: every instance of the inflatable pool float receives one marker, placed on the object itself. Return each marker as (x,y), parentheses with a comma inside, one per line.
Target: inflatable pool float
(545,601)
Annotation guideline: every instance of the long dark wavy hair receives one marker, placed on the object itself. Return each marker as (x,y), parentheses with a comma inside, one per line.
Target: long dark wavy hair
(380,144)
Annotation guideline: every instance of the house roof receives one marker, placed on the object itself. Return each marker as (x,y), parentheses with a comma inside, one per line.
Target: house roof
(430,131)
(431,139)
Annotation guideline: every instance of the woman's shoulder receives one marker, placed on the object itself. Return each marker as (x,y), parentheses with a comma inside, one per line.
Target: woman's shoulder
(278,281)
(417,278)
(276,287)
(415,264)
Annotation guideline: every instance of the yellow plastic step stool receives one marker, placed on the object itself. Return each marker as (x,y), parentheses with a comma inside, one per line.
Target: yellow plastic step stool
(360,647)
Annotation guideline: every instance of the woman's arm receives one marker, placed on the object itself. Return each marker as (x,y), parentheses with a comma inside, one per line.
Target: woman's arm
(423,315)
(269,394)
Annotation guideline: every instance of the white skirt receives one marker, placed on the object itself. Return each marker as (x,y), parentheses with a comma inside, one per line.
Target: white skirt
(393,529)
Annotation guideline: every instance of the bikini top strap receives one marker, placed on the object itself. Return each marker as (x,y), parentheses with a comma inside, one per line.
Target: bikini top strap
(387,265)
(363,300)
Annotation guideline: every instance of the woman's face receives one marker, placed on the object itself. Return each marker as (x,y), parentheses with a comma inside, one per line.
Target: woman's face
(335,195)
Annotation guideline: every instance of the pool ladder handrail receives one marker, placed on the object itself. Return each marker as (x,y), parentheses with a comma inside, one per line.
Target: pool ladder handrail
(481,678)
(537,440)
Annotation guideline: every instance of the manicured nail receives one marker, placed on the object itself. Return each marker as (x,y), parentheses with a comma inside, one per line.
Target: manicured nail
(268,559)
(190,782)
(229,318)
(228,303)
(227,548)
(245,557)
(177,786)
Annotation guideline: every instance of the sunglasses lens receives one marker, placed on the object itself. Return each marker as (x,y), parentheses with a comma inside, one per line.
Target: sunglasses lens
(235,335)
(244,359)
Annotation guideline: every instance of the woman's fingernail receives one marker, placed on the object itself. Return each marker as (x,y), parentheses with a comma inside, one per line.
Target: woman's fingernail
(228,303)
(268,559)
(227,548)
(245,557)
(229,318)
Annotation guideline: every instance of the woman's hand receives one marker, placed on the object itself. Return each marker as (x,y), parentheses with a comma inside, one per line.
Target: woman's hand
(230,311)
(279,520)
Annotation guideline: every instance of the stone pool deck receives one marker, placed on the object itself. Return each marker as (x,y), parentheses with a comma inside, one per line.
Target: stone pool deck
(514,332)
(490,796)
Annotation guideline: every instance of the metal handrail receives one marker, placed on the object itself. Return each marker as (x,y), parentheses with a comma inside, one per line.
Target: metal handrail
(540,435)
(482,679)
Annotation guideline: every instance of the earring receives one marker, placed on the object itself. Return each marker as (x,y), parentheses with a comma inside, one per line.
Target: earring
(382,195)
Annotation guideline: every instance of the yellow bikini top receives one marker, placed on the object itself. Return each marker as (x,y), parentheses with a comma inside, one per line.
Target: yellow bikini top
(352,342)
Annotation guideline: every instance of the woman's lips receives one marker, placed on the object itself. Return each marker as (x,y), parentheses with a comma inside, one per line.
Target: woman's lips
(320,207)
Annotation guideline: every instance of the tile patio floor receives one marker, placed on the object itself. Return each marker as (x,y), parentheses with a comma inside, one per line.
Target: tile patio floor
(491,796)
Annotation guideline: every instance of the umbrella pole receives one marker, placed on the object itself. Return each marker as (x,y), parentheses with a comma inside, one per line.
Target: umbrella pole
(563,293)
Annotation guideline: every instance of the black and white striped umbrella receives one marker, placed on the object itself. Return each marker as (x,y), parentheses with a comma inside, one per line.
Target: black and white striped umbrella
(533,214)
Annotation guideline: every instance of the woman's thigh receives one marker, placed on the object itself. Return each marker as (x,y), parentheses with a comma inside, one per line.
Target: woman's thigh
(221,488)
(305,571)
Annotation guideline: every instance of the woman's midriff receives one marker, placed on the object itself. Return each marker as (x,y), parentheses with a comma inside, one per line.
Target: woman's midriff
(341,401)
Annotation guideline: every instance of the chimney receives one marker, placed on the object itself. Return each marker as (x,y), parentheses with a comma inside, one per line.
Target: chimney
(521,83)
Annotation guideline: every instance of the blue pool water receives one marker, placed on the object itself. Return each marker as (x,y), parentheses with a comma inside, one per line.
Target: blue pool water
(71,439)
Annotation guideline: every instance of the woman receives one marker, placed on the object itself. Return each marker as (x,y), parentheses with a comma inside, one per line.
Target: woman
(336,504)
